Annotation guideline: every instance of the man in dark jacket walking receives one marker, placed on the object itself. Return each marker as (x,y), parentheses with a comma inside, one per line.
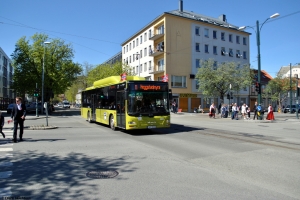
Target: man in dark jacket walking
(18,115)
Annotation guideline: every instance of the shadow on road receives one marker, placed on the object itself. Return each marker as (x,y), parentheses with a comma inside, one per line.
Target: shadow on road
(60,177)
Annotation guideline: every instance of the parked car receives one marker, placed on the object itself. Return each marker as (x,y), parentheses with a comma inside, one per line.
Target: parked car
(287,109)
(31,107)
(9,108)
(66,105)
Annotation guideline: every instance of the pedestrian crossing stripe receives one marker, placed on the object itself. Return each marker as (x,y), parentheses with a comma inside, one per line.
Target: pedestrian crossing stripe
(6,149)
(8,155)
(5,174)
(6,144)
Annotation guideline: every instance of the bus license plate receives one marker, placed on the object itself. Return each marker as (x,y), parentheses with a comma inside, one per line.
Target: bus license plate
(151,127)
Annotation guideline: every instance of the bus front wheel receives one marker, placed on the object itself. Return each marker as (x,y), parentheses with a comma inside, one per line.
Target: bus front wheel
(112,123)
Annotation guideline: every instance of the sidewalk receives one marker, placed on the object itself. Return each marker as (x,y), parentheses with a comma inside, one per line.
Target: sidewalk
(279,117)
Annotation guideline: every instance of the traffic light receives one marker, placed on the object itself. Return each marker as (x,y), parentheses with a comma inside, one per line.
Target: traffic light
(228,96)
(36,92)
(257,87)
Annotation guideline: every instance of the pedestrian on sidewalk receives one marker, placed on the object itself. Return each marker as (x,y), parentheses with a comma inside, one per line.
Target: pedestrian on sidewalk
(270,115)
(18,115)
(255,111)
(1,124)
(212,111)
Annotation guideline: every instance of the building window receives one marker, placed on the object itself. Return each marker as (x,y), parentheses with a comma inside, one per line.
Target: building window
(160,65)
(198,47)
(150,50)
(230,38)
(129,59)
(145,67)
(137,41)
(223,52)
(160,30)
(215,50)
(238,54)
(141,53)
(160,47)
(145,51)
(237,39)
(215,65)
(129,46)
(124,50)
(244,41)
(150,34)
(197,63)
(206,48)
(215,34)
(178,81)
(197,84)
(206,32)
(141,39)
(244,54)
(150,67)
(230,53)
(145,37)
(133,69)
(223,36)
(197,30)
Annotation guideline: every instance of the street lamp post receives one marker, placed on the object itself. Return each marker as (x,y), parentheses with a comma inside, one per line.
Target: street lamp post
(43,72)
(297,94)
(258,29)
(137,54)
(291,111)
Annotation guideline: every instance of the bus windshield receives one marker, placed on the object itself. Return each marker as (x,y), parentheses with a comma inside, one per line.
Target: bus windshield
(148,103)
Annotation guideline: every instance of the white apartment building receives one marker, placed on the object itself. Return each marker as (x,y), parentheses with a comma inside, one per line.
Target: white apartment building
(174,43)
(291,72)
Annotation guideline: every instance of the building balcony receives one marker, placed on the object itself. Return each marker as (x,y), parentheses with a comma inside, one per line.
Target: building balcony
(156,36)
(154,53)
(156,69)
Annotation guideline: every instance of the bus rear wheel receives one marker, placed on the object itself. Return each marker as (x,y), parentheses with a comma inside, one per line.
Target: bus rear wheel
(89,117)
(112,123)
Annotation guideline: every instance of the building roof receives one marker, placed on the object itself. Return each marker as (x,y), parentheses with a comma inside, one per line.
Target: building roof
(193,16)
(265,76)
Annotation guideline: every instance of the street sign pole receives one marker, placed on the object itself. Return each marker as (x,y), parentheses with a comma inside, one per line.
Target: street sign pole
(36,102)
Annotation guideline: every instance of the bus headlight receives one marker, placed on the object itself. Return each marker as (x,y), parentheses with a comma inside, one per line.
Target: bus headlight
(132,123)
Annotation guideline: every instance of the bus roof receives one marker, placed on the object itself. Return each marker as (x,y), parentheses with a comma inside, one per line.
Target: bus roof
(114,80)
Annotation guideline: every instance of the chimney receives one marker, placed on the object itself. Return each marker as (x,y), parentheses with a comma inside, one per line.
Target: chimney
(223,18)
(180,6)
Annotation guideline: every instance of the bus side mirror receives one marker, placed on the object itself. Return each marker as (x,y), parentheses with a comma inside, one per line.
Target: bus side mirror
(125,93)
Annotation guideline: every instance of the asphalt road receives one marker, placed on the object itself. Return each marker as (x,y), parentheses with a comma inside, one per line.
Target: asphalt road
(197,158)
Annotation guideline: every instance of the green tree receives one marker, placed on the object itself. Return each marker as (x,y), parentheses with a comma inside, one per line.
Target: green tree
(214,79)
(59,71)
(278,88)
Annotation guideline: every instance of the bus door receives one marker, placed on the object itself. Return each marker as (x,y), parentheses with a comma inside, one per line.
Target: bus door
(93,107)
(121,109)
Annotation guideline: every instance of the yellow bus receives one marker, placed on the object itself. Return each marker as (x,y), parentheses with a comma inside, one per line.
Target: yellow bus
(134,103)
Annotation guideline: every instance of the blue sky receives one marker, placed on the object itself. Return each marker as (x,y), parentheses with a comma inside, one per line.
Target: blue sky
(96,28)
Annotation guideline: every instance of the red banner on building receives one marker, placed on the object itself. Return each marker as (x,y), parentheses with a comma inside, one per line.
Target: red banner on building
(165,78)
(123,77)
